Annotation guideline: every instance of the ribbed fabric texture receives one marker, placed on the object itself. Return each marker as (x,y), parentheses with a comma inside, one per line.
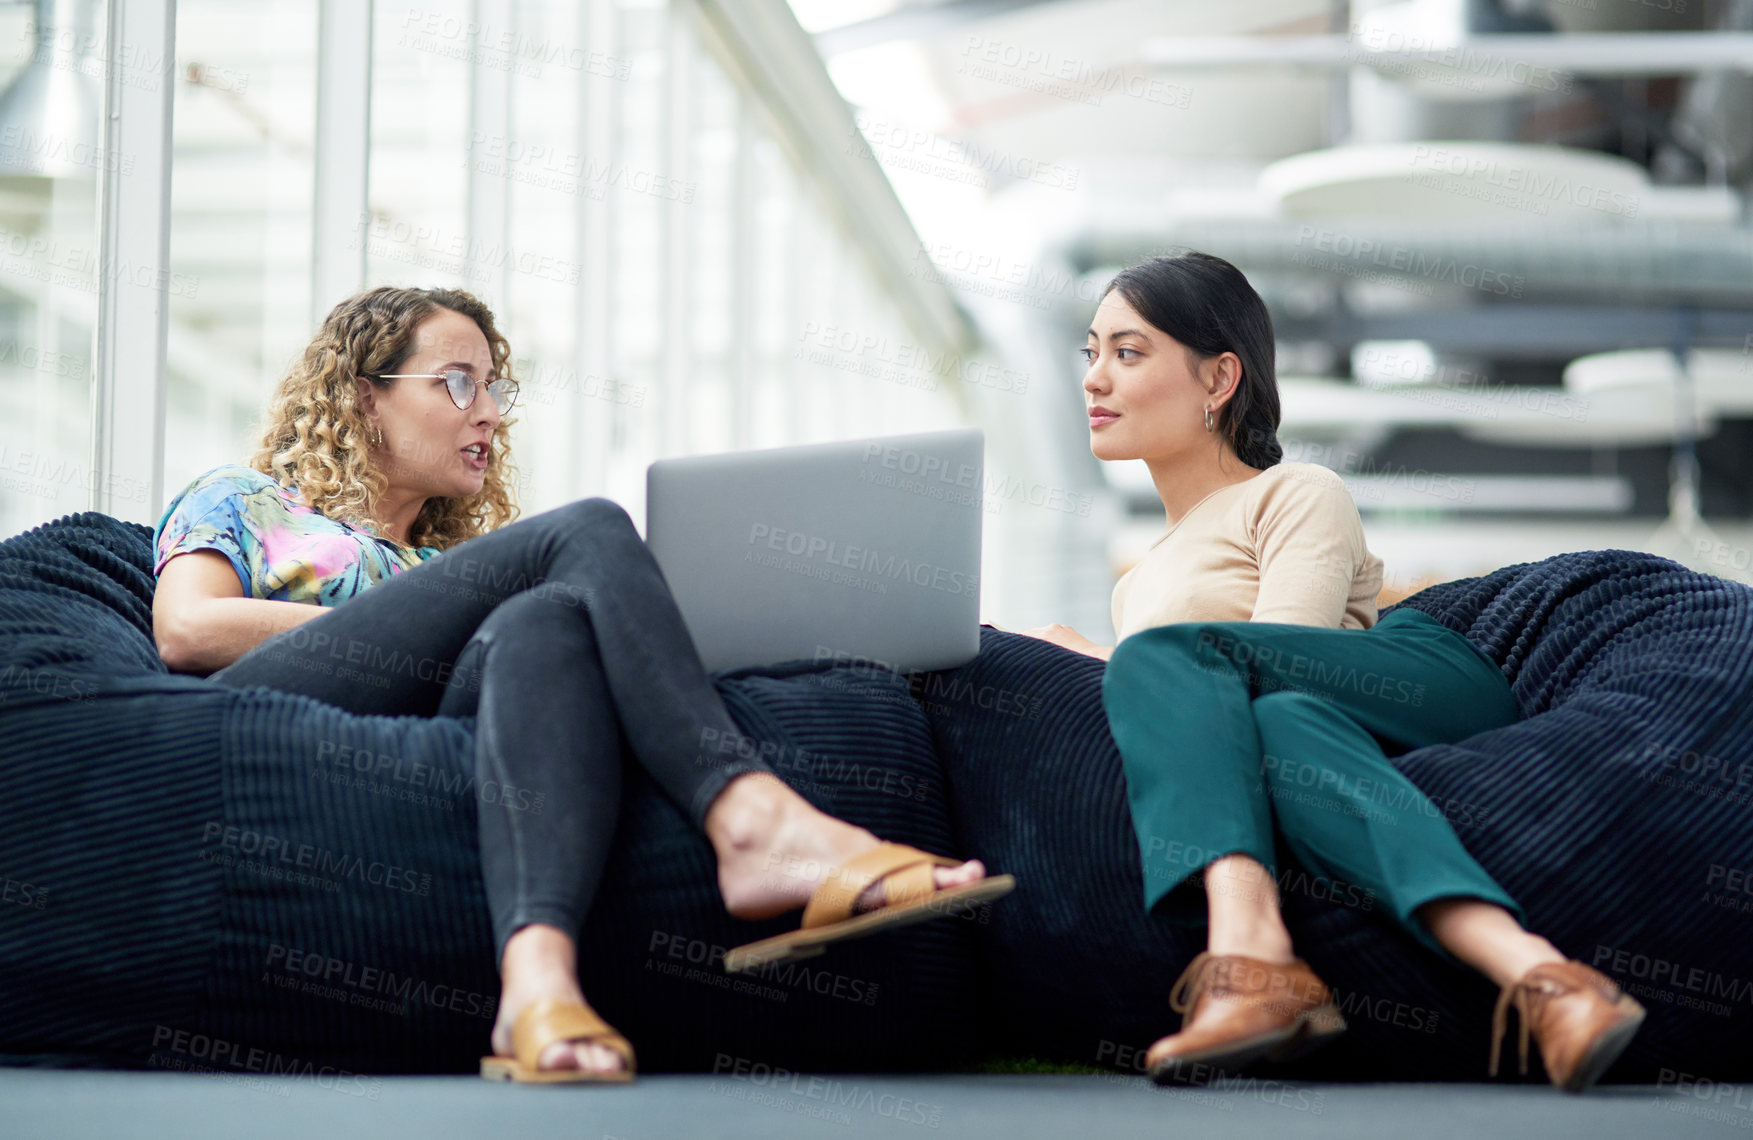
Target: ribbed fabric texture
(355,929)
(106,911)
(257,881)
(1618,813)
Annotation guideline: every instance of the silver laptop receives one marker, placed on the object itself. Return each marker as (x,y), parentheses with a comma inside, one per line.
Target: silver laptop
(865,552)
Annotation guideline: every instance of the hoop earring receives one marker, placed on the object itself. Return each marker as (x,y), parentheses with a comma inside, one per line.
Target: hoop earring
(1210,424)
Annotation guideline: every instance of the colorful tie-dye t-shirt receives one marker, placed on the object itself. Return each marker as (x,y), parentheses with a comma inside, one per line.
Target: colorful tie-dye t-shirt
(281,549)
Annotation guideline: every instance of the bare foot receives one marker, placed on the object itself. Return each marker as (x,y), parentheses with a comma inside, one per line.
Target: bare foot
(541,962)
(774,849)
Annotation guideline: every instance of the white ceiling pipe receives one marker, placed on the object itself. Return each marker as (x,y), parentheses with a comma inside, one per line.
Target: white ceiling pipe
(1658,53)
(1499,261)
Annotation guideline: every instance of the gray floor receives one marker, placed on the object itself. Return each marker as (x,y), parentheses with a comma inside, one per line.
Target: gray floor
(83,1105)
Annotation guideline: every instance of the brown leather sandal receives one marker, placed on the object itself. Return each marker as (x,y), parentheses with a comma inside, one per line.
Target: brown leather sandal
(910,895)
(543,1023)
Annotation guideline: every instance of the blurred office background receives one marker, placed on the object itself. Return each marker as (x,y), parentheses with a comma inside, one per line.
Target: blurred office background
(1506,243)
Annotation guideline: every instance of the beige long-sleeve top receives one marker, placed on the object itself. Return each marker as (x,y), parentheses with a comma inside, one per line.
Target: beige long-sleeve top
(1284,546)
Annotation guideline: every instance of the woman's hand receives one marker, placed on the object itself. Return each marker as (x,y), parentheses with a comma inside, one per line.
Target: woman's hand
(1067,638)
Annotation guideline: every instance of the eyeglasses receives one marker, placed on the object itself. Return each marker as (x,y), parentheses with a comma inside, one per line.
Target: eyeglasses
(463,387)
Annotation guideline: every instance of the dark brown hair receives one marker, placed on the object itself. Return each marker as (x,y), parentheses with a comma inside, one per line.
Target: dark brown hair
(1207,304)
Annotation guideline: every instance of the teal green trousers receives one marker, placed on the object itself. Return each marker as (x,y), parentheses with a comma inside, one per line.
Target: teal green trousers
(1236,735)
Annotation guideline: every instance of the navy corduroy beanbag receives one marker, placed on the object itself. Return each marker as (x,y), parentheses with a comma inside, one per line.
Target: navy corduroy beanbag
(1619,812)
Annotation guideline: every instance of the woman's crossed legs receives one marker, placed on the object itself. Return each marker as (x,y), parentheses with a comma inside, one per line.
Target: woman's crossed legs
(1236,733)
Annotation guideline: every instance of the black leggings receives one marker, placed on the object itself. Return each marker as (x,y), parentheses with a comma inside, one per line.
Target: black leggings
(557,633)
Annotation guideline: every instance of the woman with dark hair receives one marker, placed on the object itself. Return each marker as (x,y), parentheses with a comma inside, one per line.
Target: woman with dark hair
(1254,697)
(362,559)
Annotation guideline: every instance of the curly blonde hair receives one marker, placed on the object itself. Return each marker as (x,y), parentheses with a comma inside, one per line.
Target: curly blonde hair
(317,436)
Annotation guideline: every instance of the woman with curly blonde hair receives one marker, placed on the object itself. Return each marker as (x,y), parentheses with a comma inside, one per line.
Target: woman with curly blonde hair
(312,439)
(363,559)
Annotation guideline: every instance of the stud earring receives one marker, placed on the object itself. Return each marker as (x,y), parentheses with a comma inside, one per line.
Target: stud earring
(1210,424)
